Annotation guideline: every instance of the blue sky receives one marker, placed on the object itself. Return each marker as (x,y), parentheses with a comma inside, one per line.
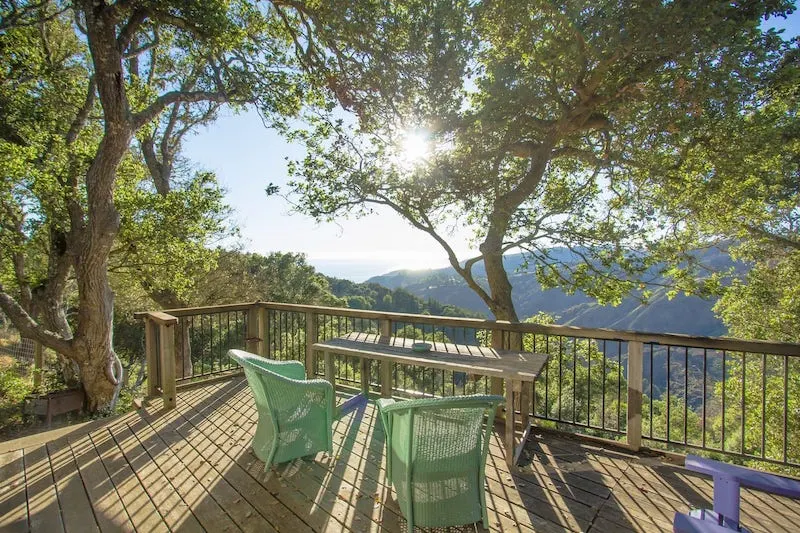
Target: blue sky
(246,157)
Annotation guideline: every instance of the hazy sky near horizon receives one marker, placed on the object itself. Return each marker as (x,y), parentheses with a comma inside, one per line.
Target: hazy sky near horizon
(246,157)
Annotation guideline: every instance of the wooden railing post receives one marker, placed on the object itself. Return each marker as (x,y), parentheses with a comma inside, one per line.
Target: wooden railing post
(151,349)
(311,338)
(183,349)
(496,384)
(364,367)
(167,338)
(385,327)
(635,375)
(253,341)
(263,327)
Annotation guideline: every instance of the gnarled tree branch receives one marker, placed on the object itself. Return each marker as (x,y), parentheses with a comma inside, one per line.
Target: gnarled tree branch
(28,327)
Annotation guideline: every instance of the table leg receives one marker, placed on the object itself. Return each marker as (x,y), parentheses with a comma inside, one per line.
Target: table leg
(510,448)
(365,364)
(524,410)
(525,403)
(329,373)
(496,387)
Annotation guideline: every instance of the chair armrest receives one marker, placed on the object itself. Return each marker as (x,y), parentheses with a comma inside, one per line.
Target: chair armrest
(287,369)
(382,403)
(383,408)
(325,387)
(745,477)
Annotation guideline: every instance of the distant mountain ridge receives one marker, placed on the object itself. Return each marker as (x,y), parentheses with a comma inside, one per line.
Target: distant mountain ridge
(683,314)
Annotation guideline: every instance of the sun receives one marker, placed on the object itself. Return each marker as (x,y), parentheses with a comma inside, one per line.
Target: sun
(414,147)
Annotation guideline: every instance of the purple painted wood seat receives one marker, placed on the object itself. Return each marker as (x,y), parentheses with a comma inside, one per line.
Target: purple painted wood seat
(728,479)
(684,523)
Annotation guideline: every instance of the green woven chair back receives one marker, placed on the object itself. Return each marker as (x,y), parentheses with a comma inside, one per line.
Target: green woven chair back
(295,416)
(437,455)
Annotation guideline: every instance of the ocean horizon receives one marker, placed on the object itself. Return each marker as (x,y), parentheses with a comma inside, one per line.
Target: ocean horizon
(360,270)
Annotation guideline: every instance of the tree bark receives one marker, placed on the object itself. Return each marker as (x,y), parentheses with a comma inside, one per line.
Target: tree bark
(93,229)
(502,304)
(48,301)
(93,339)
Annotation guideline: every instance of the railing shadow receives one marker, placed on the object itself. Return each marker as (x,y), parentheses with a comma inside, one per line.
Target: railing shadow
(617,490)
(576,486)
(94,476)
(191,468)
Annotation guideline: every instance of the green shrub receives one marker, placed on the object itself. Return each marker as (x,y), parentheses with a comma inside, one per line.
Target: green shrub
(13,389)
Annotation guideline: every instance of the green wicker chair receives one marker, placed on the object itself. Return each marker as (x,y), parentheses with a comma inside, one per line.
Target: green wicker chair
(436,457)
(295,415)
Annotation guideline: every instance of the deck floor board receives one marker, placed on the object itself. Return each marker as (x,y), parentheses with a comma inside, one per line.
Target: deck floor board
(76,510)
(13,501)
(191,469)
(43,509)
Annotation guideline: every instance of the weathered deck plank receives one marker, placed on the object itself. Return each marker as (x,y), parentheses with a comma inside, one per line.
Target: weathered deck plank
(108,508)
(176,513)
(43,511)
(203,506)
(13,503)
(76,510)
(140,508)
(191,469)
(267,507)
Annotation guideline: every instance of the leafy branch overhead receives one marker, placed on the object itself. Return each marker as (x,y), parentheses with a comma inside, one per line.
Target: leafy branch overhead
(552,127)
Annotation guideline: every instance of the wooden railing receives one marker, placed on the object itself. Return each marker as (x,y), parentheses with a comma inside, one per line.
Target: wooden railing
(159,341)
(678,391)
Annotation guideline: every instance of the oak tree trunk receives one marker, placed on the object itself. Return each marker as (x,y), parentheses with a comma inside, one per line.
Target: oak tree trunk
(500,287)
(93,338)
(49,301)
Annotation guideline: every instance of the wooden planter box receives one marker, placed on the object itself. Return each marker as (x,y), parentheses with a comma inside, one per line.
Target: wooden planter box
(55,403)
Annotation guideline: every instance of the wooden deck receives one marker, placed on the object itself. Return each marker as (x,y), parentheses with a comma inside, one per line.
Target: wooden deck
(190,469)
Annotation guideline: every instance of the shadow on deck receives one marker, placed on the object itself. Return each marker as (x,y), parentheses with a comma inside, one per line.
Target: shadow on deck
(190,469)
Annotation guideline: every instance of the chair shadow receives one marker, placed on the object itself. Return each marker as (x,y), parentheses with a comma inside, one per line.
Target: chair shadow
(192,467)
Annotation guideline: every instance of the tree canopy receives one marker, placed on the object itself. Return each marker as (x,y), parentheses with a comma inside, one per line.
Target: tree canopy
(548,122)
(602,127)
(81,82)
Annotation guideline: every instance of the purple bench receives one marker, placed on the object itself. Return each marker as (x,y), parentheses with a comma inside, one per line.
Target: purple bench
(728,479)
(684,523)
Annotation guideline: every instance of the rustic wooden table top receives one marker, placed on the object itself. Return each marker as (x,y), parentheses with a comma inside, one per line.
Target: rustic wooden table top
(509,364)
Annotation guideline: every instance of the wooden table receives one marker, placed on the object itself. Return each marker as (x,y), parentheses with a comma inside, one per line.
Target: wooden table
(517,368)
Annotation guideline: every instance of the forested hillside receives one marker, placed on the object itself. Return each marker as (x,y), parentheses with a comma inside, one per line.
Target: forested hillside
(380,298)
(680,314)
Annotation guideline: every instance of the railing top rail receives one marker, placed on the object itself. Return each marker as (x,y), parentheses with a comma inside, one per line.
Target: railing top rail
(672,339)
(159,317)
(191,311)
